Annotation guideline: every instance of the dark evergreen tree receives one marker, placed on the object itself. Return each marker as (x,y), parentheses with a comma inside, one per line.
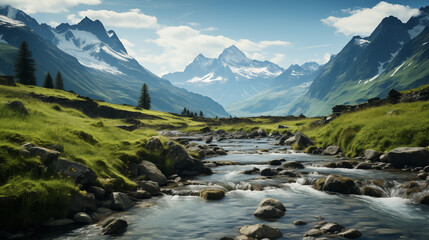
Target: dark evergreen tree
(188,113)
(48,81)
(59,81)
(25,66)
(201,114)
(144,100)
(184,111)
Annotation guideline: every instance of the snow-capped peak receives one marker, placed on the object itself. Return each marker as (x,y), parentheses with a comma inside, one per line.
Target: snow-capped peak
(232,56)
(12,23)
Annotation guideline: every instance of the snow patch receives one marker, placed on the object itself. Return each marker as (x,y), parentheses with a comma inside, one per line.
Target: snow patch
(294,73)
(409,65)
(253,72)
(11,13)
(424,43)
(206,79)
(2,40)
(120,56)
(88,41)
(397,69)
(380,69)
(362,42)
(7,21)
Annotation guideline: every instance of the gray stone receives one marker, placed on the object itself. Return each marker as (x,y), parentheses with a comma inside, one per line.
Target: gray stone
(98,192)
(260,231)
(262,132)
(408,156)
(336,183)
(424,199)
(372,155)
(426,169)
(152,172)
(350,234)
(272,202)
(81,203)
(290,140)
(293,164)
(212,194)
(268,172)
(121,201)
(268,212)
(372,191)
(299,222)
(117,226)
(287,173)
(364,165)
(331,150)
(140,194)
(313,233)
(345,164)
(383,158)
(275,162)
(332,228)
(150,186)
(302,140)
(81,174)
(82,218)
(101,213)
(209,140)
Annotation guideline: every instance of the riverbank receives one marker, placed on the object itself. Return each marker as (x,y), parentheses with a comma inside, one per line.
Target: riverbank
(112,149)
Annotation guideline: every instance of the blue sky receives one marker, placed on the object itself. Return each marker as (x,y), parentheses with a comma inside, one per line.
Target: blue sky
(165,35)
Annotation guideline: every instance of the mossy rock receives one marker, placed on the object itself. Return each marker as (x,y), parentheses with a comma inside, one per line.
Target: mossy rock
(212,194)
(337,184)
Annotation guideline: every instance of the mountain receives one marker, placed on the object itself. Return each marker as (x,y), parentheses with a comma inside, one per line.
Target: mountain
(369,67)
(286,88)
(93,62)
(229,78)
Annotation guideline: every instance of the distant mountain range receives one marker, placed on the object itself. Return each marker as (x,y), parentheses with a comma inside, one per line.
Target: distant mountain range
(93,62)
(395,55)
(227,79)
(282,94)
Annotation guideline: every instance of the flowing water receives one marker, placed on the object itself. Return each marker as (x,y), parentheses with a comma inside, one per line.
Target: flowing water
(190,217)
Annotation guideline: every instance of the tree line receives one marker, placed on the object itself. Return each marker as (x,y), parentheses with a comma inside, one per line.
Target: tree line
(187,113)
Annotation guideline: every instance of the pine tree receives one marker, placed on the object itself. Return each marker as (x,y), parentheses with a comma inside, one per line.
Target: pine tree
(48,81)
(201,114)
(184,111)
(59,81)
(188,113)
(144,100)
(25,66)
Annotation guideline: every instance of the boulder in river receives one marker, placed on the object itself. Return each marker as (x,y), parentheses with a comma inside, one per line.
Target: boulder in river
(260,231)
(268,172)
(212,194)
(372,191)
(424,199)
(97,191)
(364,165)
(302,140)
(152,172)
(336,183)
(408,156)
(154,144)
(350,234)
(293,164)
(331,150)
(270,208)
(332,228)
(81,202)
(313,233)
(150,186)
(82,218)
(114,227)
(275,162)
(289,140)
(372,155)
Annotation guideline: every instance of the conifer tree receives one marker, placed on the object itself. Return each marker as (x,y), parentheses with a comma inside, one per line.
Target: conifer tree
(25,66)
(201,114)
(184,111)
(59,81)
(144,100)
(48,81)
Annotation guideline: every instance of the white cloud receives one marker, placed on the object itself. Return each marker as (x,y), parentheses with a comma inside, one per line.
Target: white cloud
(131,19)
(50,6)
(363,21)
(181,44)
(322,60)
(54,23)
(209,29)
(278,57)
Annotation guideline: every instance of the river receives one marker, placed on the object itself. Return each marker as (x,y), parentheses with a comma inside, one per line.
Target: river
(190,217)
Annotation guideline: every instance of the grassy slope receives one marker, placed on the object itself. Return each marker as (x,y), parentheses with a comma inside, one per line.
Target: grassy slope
(94,142)
(381,128)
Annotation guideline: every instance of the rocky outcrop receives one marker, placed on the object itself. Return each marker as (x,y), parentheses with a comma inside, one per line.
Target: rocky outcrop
(152,172)
(212,194)
(336,183)
(81,202)
(183,163)
(150,186)
(114,227)
(408,156)
(261,231)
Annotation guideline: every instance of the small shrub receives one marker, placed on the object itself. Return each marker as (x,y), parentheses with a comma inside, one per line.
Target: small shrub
(85,137)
